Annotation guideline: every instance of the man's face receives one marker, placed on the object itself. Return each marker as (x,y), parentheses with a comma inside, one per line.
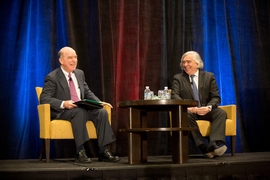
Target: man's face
(68,60)
(189,65)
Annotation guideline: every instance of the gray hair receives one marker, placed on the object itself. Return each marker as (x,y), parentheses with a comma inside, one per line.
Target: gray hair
(196,57)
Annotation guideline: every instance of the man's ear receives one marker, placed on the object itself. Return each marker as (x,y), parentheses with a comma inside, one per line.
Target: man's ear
(60,60)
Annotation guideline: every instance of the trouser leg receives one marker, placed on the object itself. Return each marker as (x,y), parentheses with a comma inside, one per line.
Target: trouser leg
(78,118)
(196,136)
(104,130)
(218,124)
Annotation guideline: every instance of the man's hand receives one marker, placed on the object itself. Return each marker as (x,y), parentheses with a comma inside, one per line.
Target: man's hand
(192,109)
(69,104)
(200,111)
(105,103)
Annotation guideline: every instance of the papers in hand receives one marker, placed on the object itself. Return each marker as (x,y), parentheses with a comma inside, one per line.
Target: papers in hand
(89,104)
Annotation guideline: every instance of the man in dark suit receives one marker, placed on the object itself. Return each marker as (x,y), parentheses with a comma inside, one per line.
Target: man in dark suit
(57,93)
(208,101)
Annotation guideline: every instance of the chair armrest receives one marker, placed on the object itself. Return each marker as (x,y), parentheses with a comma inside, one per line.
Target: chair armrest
(230,110)
(231,118)
(44,115)
(109,110)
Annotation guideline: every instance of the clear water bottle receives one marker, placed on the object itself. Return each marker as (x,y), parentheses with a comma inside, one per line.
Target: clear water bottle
(146,93)
(166,93)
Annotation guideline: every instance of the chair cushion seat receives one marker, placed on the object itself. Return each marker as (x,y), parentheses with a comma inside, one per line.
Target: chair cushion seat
(205,127)
(61,129)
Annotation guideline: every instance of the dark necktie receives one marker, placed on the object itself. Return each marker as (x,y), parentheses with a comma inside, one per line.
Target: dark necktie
(195,90)
(73,93)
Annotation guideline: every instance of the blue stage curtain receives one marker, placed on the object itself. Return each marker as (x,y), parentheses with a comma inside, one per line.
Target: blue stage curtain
(25,56)
(232,37)
(32,32)
(124,45)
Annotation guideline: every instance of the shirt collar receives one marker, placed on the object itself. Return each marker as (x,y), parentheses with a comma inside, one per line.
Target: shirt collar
(197,73)
(66,73)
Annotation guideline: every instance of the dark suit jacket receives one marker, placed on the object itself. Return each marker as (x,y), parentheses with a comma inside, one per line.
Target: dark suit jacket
(56,90)
(208,89)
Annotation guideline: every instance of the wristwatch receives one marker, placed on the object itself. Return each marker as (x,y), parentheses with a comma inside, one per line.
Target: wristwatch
(210,108)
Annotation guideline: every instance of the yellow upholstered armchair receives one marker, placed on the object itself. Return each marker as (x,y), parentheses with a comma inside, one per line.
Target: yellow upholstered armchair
(57,128)
(205,126)
(230,129)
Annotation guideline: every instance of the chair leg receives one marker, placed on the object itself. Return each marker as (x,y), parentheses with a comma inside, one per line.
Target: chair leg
(42,150)
(233,144)
(47,149)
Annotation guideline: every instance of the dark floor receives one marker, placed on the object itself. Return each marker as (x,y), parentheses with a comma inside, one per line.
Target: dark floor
(241,166)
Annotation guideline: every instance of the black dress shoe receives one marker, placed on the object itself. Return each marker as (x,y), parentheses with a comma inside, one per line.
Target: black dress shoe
(81,157)
(209,152)
(215,150)
(107,157)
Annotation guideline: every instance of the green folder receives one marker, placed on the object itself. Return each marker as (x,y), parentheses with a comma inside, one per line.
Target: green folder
(89,104)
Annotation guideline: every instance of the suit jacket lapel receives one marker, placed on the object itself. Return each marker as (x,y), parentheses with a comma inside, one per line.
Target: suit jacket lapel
(188,84)
(63,81)
(201,83)
(80,81)
(201,80)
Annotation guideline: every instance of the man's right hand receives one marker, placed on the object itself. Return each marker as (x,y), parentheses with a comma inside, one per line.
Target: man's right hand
(69,104)
(192,109)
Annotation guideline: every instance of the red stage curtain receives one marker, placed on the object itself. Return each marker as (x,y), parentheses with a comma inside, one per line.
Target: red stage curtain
(132,38)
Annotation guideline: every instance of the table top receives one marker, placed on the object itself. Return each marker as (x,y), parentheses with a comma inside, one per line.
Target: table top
(157,103)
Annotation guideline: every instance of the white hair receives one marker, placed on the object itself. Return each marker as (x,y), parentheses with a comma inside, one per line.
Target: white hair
(196,56)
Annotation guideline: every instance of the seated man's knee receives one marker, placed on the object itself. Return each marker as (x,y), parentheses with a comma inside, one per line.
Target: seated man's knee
(222,112)
(79,111)
(103,111)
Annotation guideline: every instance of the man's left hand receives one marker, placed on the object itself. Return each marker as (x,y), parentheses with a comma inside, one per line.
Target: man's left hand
(108,104)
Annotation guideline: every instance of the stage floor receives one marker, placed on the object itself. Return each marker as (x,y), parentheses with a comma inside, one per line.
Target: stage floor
(240,166)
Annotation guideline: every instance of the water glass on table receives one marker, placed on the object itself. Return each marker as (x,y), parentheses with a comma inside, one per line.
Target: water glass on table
(161,94)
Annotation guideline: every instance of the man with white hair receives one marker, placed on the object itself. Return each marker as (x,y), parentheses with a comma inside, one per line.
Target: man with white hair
(197,84)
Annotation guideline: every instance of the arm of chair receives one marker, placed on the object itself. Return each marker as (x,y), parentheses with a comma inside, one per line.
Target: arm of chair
(44,115)
(108,108)
(231,115)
